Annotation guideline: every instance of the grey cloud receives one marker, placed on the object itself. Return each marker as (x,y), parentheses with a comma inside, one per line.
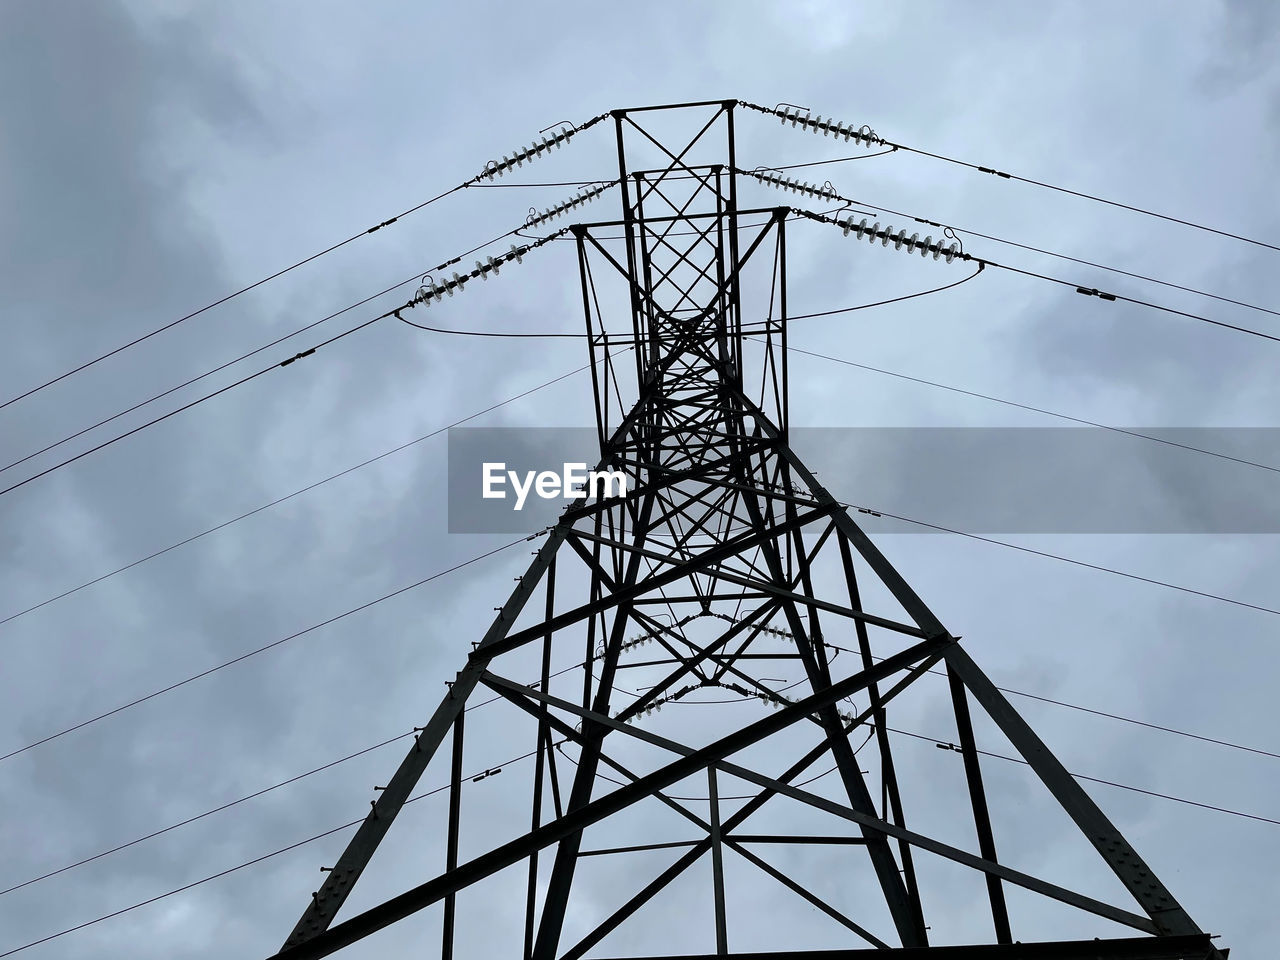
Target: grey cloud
(158,158)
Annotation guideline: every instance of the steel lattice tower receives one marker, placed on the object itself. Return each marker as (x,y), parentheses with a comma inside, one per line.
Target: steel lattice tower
(726,560)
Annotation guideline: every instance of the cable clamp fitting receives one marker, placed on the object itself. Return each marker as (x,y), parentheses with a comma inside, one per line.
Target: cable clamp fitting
(1095,292)
(298,356)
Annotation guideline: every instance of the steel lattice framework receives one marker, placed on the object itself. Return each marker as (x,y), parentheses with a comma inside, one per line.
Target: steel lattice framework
(725,560)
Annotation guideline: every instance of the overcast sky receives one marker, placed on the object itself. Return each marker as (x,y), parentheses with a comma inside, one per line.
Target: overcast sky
(156,156)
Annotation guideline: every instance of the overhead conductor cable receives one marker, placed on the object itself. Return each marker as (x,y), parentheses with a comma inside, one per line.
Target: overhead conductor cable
(953,251)
(425,293)
(868,136)
(493,168)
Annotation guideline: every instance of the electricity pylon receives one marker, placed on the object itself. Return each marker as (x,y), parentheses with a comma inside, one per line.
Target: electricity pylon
(726,560)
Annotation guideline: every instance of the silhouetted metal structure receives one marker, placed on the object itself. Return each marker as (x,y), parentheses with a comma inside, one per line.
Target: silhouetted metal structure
(726,560)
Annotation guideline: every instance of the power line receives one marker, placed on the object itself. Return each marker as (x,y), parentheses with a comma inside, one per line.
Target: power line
(975,233)
(293,846)
(577,666)
(952,746)
(822,356)
(263,649)
(868,136)
(1110,783)
(198,378)
(1101,713)
(473,182)
(1083,195)
(1134,300)
(500,334)
(229,297)
(1119,785)
(481,270)
(989,540)
(1026,406)
(200,816)
(887,233)
(1070,259)
(890,373)
(243,799)
(882,303)
(187,406)
(1032,696)
(995,239)
(1140,723)
(519,157)
(1000,756)
(823,163)
(237,867)
(981,264)
(254,352)
(876,511)
(295,493)
(1019,693)
(119,709)
(365,750)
